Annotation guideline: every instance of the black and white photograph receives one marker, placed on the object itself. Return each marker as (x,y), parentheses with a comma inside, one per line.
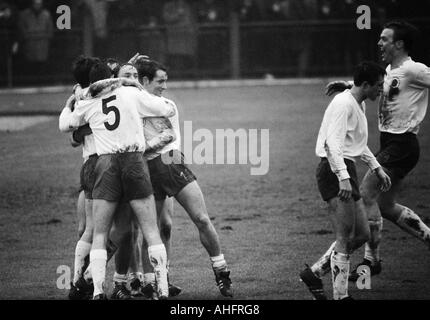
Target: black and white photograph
(225,151)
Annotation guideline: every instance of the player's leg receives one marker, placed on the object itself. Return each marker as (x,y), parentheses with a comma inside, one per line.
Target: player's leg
(83,246)
(164,215)
(402,216)
(322,266)
(344,224)
(135,276)
(165,221)
(81,287)
(192,200)
(370,191)
(103,212)
(138,190)
(145,212)
(80,211)
(107,192)
(123,227)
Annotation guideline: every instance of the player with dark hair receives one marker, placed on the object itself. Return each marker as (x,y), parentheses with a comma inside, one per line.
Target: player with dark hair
(342,138)
(402,108)
(121,171)
(172,178)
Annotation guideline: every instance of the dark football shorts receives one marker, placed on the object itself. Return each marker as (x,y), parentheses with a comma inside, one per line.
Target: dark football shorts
(122,176)
(87,176)
(399,153)
(328,183)
(168,179)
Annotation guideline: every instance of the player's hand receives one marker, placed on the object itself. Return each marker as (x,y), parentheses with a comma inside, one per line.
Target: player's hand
(345,190)
(336,86)
(384,179)
(70,103)
(78,92)
(138,57)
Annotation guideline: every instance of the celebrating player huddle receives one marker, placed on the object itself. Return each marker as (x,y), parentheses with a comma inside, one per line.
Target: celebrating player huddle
(133,168)
(116,110)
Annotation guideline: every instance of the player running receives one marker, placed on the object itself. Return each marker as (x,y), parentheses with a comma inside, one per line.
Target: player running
(402,108)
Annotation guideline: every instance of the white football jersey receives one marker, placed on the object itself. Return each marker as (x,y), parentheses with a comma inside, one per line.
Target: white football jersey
(343,134)
(155,125)
(404,103)
(115,118)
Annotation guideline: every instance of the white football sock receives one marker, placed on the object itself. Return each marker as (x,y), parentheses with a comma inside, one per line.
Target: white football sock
(340,272)
(218,261)
(149,278)
(158,257)
(322,266)
(98,259)
(119,278)
(411,223)
(372,253)
(82,249)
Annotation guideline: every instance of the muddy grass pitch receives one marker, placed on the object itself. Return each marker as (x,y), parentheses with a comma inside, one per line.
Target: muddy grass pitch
(269,225)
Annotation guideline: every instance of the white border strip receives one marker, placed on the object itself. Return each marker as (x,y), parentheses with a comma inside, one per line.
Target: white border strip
(191,84)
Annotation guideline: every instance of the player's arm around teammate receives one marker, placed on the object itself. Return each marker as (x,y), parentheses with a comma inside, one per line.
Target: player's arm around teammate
(172,178)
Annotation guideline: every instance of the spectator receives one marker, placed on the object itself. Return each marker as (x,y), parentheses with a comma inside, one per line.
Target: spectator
(8,38)
(181,34)
(279,10)
(249,11)
(211,11)
(36,28)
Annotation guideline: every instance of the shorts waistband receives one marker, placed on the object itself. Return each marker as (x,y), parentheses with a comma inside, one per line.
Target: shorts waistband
(399,135)
(344,159)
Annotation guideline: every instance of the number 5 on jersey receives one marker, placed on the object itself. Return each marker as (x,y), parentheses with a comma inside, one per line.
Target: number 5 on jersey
(113,109)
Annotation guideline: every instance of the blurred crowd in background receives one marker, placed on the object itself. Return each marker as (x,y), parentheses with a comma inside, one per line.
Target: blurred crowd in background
(194,37)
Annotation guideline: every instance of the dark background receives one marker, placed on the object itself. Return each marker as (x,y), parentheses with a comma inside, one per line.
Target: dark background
(243,39)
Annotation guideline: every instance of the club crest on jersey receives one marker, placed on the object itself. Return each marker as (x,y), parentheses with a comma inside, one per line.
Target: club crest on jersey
(395,83)
(394,88)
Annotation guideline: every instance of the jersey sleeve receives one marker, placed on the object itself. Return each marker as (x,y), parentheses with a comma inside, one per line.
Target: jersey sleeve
(334,144)
(154,106)
(69,120)
(368,158)
(421,77)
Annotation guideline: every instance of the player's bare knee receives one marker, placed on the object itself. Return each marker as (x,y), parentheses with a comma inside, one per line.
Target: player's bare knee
(202,221)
